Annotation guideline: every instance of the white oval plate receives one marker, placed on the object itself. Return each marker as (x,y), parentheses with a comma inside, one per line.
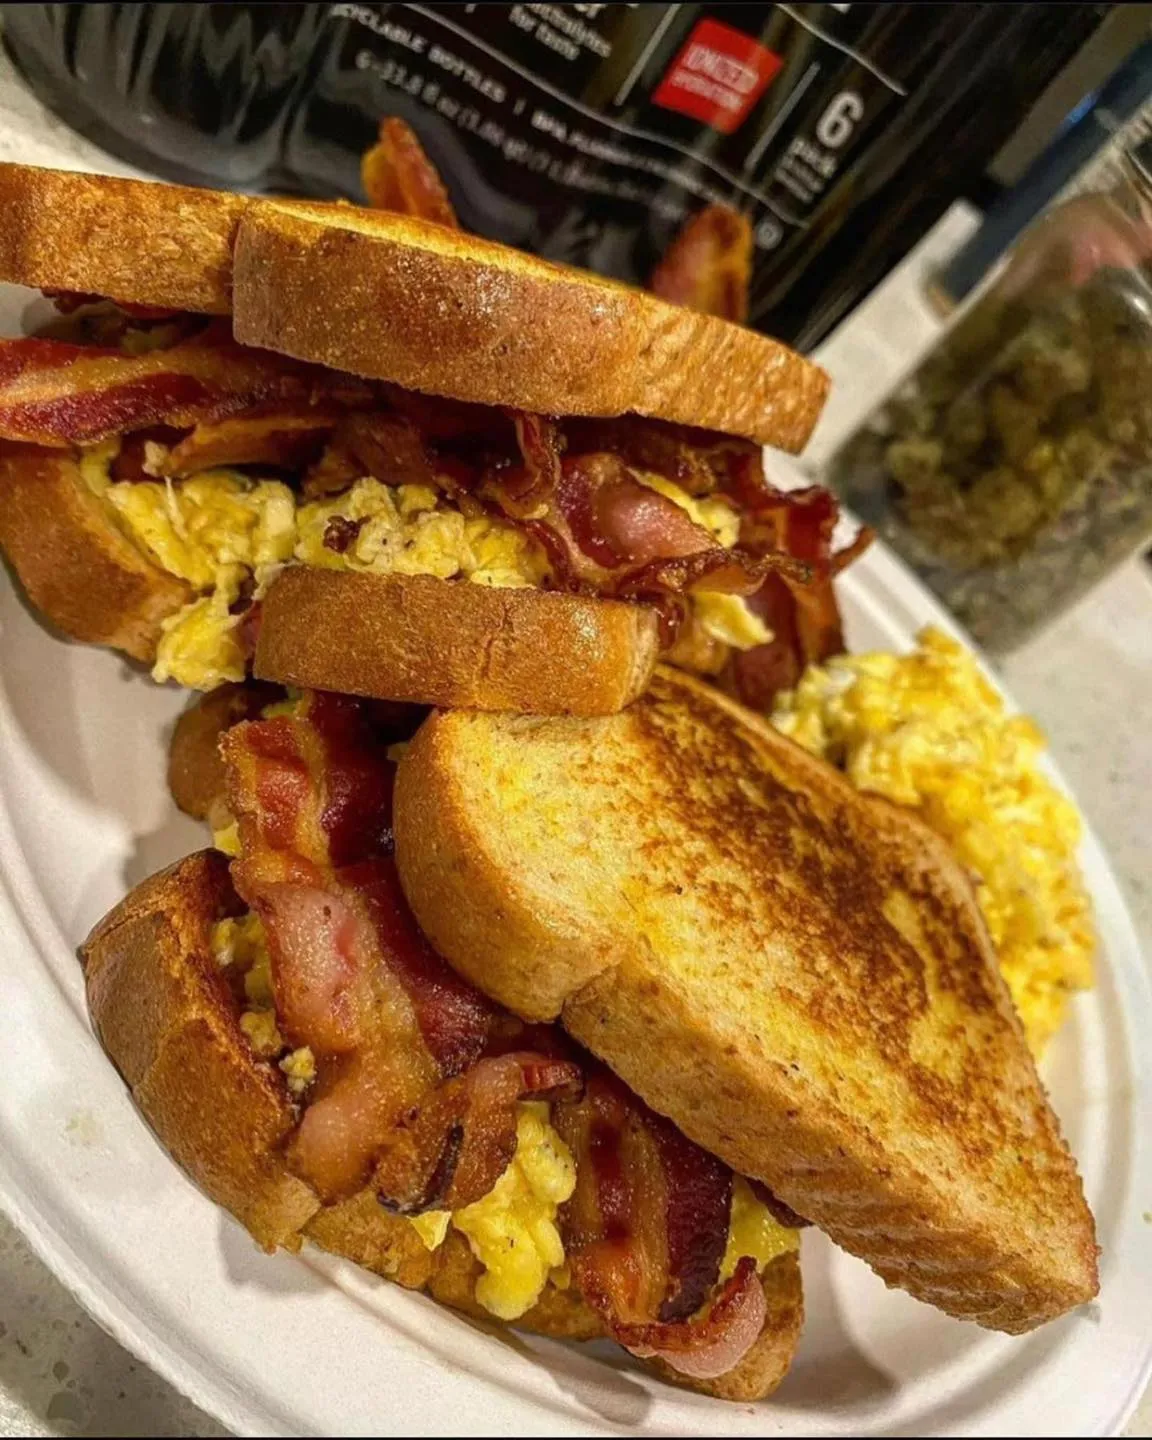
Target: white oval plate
(311,1345)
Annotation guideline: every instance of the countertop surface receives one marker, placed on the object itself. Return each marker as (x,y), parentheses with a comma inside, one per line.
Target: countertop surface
(1088,676)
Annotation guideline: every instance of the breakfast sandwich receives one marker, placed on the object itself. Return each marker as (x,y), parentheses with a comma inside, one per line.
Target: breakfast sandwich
(363,452)
(309,1059)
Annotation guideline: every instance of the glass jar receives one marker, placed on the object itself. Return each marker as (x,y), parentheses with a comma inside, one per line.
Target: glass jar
(1013,468)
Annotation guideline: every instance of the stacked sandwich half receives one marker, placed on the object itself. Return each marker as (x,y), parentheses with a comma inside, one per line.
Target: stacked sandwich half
(532,968)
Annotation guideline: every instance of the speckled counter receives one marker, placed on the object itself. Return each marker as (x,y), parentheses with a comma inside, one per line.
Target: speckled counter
(1088,677)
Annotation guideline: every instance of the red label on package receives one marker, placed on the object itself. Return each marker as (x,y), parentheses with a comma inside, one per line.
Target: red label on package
(718,76)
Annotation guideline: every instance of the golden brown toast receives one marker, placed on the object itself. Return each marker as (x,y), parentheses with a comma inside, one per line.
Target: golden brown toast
(136,241)
(127,240)
(170,1023)
(435,310)
(795,973)
(79,568)
(403,300)
(454,643)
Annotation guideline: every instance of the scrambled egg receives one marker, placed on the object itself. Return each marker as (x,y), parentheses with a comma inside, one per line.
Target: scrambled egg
(512,1230)
(217,531)
(929,731)
(754,1230)
(212,529)
(241,942)
(403,532)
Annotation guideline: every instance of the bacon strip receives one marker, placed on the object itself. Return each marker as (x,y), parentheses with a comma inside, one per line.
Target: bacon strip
(607,533)
(804,618)
(397,175)
(288,438)
(699,461)
(406,1090)
(645,1232)
(712,1345)
(56,393)
(69,301)
(708,266)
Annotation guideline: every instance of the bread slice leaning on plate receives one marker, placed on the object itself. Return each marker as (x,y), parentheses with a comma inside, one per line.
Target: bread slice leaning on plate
(795,973)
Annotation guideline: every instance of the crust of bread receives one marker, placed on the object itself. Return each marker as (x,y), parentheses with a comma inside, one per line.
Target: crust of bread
(128,240)
(195,765)
(79,569)
(453,643)
(167,1018)
(434,310)
(169,1021)
(137,241)
(796,974)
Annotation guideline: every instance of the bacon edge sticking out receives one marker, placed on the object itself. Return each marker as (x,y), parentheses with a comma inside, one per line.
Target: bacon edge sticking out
(804,618)
(645,1233)
(711,1345)
(397,175)
(284,437)
(708,267)
(607,533)
(56,393)
(460,1139)
(407,1091)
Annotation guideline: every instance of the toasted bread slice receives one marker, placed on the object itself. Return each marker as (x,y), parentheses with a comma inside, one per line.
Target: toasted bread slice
(454,643)
(166,1015)
(135,241)
(399,299)
(170,1023)
(78,567)
(795,973)
(127,240)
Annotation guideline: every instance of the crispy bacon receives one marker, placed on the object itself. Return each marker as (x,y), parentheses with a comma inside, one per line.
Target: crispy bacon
(713,1344)
(407,1091)
(646,1229)
(287,438)
(708,266)
(605,531)
(69,301)
(804,618)
(462,1137)
(386,446)
(699,461)
(56,393)
(397,175)
(417,440)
